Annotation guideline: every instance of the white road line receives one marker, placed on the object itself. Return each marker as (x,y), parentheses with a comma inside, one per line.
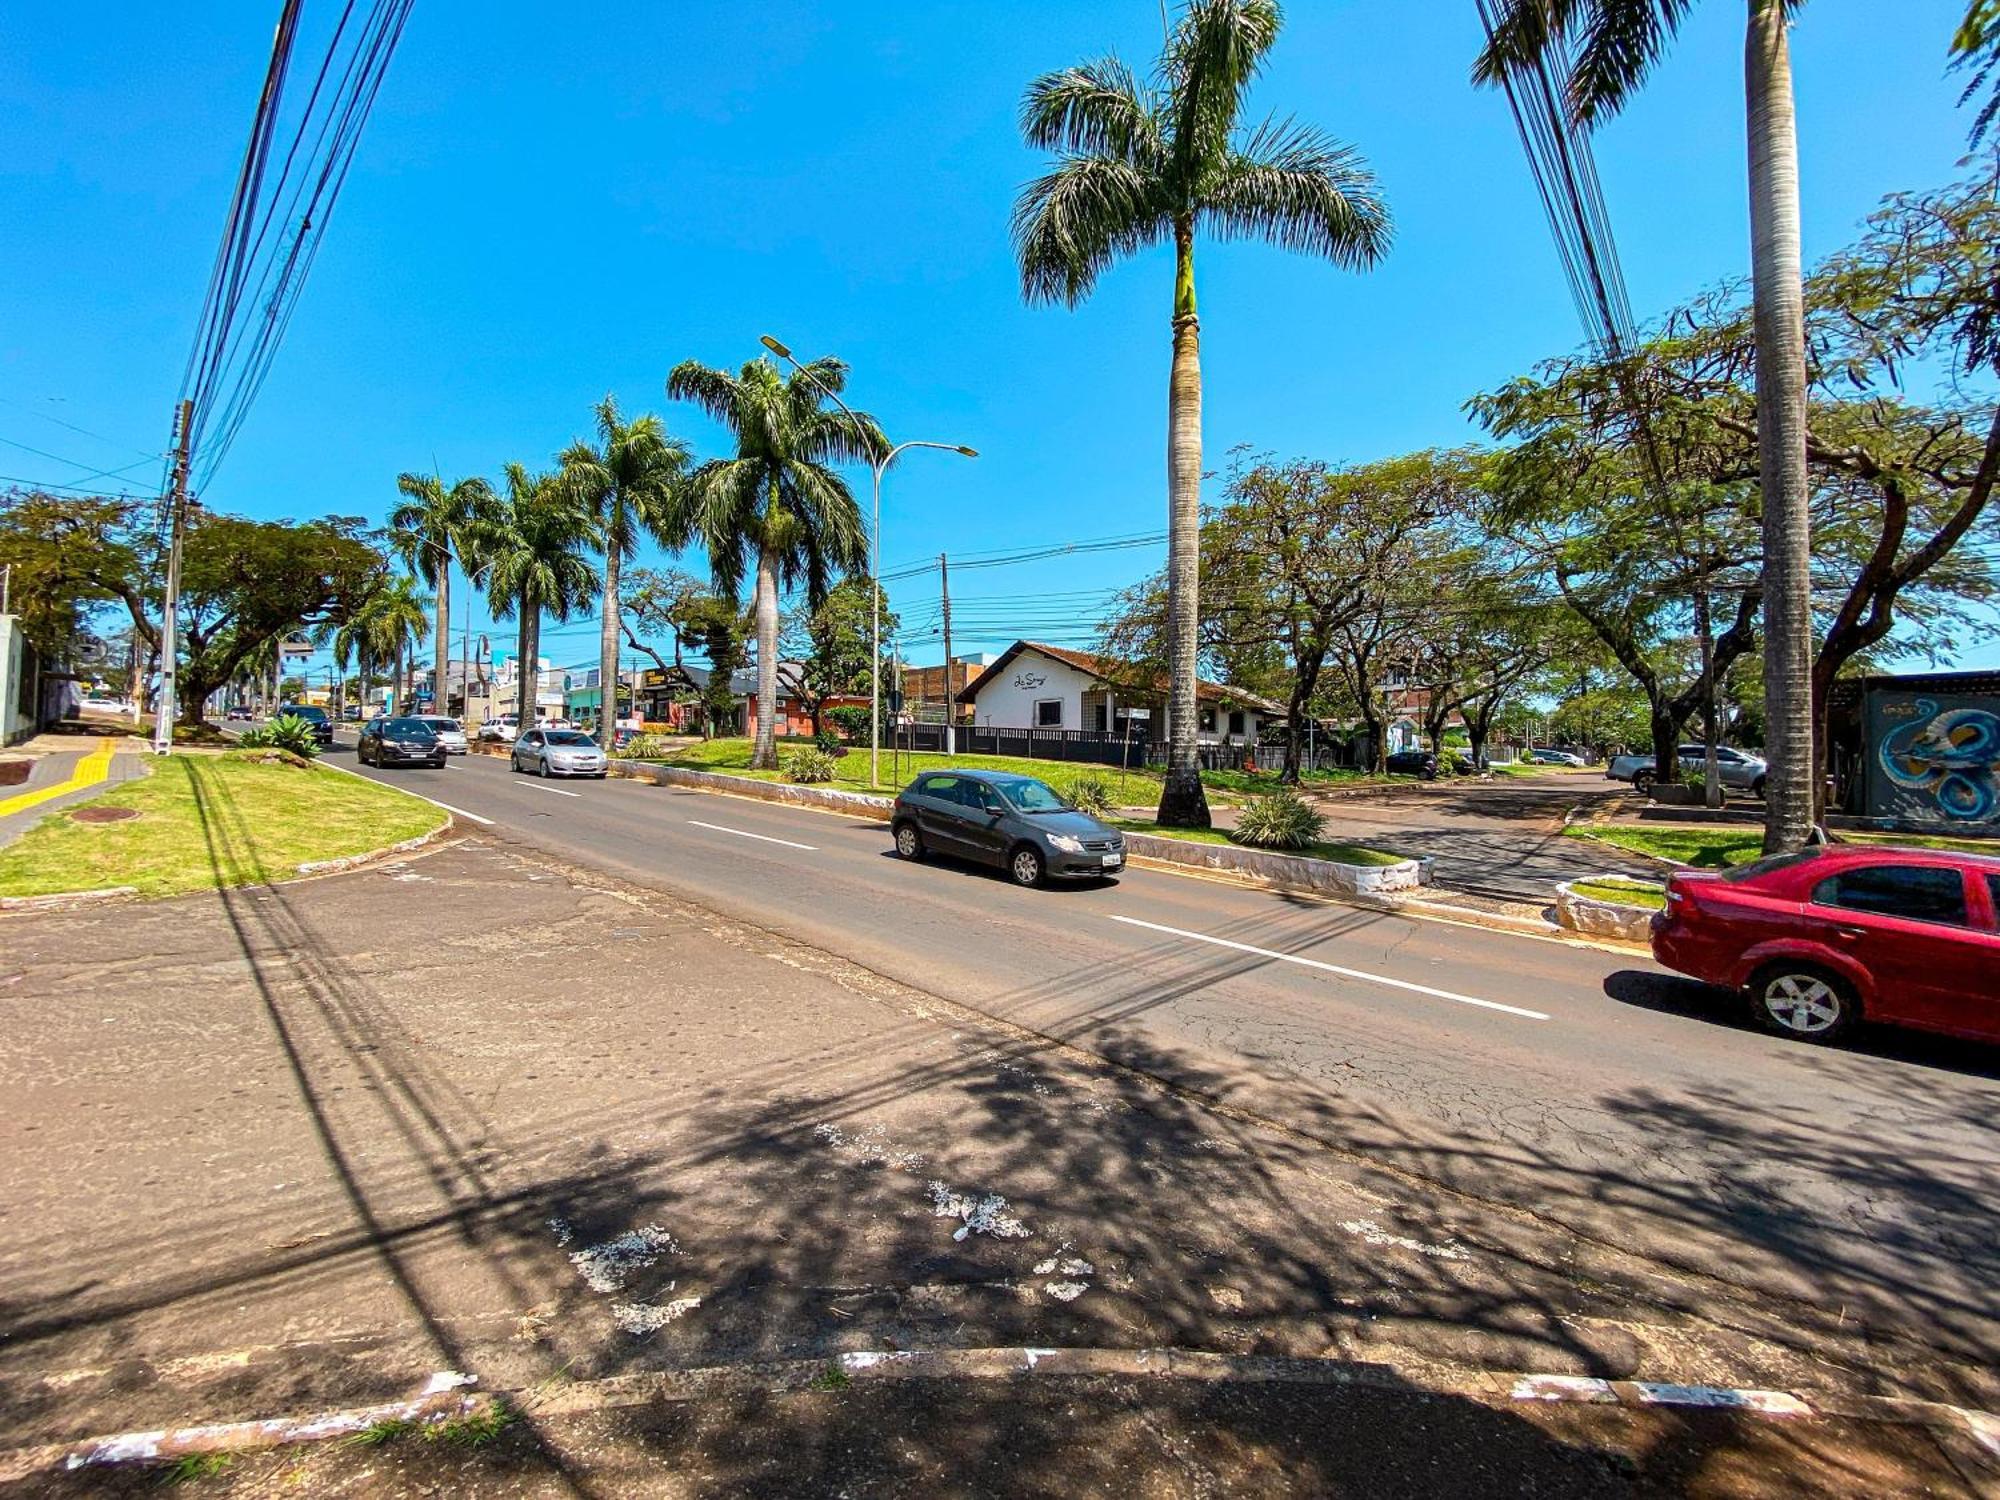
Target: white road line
(1314,963)
(556,789)
(457,812)
(762,838)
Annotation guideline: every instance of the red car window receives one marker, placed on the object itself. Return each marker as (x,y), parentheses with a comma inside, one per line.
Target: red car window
(1915,893)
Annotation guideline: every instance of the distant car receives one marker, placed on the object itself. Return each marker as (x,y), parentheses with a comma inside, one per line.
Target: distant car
(1738,769)
(501,729)
(389,742)
(450,733)
(237,711)
(1022,825)
(1549,757)
(314,715)
(559,752)
(1413,763)
(1833,935)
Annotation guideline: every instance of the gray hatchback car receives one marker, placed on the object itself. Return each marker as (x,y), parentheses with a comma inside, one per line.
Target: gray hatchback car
(1016,822)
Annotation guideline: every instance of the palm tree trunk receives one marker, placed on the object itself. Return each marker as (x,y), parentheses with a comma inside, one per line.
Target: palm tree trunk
(524,672)
(764,751)
(607,647)
(1781,428)
(440,695)
(1183,803)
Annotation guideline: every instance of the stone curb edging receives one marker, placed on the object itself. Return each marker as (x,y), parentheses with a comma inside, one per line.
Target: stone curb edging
(67,898)
(1596,918)
(350,861)
(444,1396)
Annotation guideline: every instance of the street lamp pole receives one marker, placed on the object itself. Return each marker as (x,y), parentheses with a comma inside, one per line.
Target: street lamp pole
(878,465)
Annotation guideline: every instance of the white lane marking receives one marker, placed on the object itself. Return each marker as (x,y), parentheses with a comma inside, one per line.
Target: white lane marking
(455,811)
(556,789)
(1314,963)
(762,838)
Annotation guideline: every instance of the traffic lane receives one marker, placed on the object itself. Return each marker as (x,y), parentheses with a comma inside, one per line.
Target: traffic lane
(1771,1165)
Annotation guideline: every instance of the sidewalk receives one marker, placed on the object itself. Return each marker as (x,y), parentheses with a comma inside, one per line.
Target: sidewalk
(289,1149)
(63,774)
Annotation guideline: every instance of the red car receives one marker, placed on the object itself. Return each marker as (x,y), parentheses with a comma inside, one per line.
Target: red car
(1825,937)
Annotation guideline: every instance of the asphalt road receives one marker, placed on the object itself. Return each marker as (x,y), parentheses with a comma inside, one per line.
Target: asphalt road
(1574,1085)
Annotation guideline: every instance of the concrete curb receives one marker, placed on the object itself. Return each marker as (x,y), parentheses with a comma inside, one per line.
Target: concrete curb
(351,861)
(1596,918)
(444,1396)
(63,899)
(1286,871)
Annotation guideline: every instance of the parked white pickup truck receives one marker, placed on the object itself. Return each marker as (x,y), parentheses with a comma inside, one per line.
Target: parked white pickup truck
(1738,768)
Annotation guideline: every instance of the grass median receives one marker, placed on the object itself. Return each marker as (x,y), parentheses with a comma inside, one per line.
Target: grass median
(1712,848)
(202,822)
(1345,854)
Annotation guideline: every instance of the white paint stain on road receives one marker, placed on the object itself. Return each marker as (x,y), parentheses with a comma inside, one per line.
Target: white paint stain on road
(648,1317)
(1362,974)
(1375,1234)
(986,1214)
(607,1267)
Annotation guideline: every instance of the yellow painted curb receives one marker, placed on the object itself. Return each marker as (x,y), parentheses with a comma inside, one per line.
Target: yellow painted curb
(91,770)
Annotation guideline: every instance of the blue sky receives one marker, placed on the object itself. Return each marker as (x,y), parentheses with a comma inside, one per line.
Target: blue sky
(555,202)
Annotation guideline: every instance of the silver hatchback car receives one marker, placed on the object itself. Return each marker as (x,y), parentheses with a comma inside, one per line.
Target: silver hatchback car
(450,733)
(559,752)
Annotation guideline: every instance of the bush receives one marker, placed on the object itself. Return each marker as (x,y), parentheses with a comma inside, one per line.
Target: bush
(648,747)
(810,766)
(851,722)
(286,732)
(830,742)
(1279,820)
(1092,794)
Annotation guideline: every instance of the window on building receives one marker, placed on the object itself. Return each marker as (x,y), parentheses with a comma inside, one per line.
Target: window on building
(1208,721)
(1236,721)
(1916,893)
(1049,713)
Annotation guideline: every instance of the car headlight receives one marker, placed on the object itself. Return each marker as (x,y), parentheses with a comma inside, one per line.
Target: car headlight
(1067,844)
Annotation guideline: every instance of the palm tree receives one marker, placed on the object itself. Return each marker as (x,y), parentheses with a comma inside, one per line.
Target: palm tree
(1609,46)
(396,620)
(1138,165)
(427,530)
(777,497)
(626,481)
(532,547)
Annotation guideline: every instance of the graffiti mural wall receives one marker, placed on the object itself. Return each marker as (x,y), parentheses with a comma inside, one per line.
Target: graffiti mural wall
(1935,758)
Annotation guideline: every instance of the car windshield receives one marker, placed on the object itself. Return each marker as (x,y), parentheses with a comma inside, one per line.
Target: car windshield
(307,712)
(1031,796)
(406,729)
(571,738)
(1775,862)
(443,726)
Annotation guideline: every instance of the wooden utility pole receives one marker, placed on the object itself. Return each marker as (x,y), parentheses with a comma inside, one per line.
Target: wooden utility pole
(950,697)
(167,706)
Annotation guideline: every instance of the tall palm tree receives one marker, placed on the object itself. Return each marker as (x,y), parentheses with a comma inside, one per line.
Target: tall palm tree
(532,547)
(428,529)
(1143,164)
(626,480)
(1608,48)
(396,620)
(778,497)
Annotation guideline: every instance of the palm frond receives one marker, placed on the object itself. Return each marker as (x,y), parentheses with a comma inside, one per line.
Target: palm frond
(714,391)
(1070,224)
(1094,109)
(1610,46)
(1296,186)
(1215,51)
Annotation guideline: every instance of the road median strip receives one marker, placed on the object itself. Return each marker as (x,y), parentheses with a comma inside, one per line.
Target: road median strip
(446,1396)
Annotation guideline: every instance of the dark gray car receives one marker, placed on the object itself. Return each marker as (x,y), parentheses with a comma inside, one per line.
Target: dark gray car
(1016,822)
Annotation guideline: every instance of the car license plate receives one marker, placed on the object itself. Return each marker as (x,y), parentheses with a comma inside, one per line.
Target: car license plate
(1113,861)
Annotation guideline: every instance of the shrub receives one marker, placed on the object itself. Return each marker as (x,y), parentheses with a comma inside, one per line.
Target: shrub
(648,747)
(851,722)
(1279,820)
(286,732)
(830,742)
(1092,794)
(810,765)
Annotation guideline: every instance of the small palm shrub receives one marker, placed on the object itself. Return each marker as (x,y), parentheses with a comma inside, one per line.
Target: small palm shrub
(647,747)
(1092,794)
(1279,820)
(286,732)
(810,765)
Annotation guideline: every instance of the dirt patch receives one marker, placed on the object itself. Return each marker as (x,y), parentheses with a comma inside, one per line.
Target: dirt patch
(103,814)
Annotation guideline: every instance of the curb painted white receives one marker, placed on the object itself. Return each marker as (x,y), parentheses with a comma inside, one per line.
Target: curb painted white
(1292,871)
(1009,1363)
(1612,919)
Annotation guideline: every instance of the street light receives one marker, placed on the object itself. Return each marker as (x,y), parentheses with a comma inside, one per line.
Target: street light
(875,571)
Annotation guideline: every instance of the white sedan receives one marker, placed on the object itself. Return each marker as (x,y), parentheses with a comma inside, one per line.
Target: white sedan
(450,733)
(559,752)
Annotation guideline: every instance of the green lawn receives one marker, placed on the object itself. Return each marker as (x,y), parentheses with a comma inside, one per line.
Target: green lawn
(1624,892)
(1721,847)
(1346,854)
(212,820)
(731,757)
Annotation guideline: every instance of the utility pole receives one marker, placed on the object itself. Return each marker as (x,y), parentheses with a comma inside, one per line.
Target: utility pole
(168,705)
(950,698)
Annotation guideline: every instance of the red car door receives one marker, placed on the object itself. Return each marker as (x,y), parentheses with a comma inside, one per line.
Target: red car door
(1926,942)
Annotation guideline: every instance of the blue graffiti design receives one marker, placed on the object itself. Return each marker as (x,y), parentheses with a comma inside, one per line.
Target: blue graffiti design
(1955,756)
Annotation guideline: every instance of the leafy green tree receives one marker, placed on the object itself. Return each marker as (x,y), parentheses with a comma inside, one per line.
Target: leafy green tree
(626,481)
(532,551)
(1976,47)
(1611,46)
(68,558)
(1140,164)
(778,499)
(832,646)
(435,524)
